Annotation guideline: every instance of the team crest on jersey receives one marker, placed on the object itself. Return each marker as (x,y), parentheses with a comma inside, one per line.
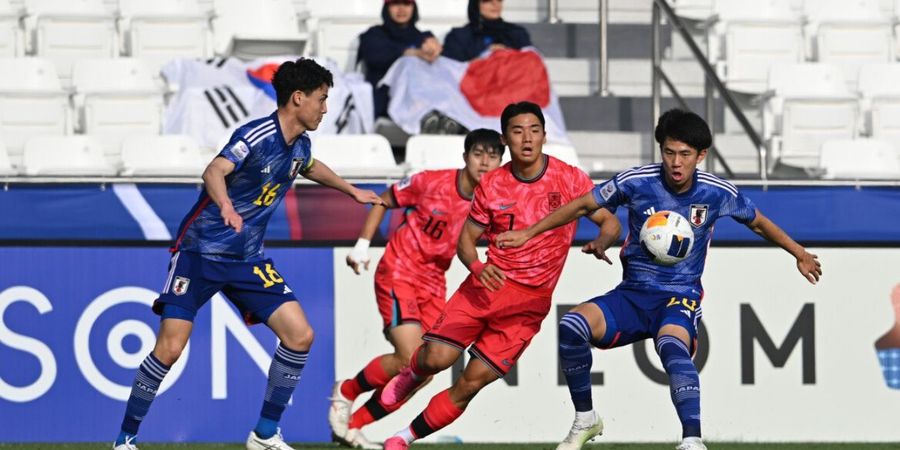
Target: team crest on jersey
(554,199)
(180,285)
(699,214)
(295,166)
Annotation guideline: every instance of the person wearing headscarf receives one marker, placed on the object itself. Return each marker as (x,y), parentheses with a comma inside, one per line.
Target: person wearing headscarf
(397,36)
(485,30)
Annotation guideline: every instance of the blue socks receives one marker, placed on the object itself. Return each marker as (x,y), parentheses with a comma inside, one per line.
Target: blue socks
(143,391)
(683,382)
(284,374)
(575,358)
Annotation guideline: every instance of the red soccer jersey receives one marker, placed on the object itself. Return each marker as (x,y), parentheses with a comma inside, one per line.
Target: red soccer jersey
(505,202)
(426,242)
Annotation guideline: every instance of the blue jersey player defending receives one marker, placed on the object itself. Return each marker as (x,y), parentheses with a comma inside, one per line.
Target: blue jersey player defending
(654,301)
(219,248)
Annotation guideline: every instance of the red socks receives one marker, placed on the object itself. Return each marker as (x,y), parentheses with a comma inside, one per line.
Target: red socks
(440,412)
(371,377)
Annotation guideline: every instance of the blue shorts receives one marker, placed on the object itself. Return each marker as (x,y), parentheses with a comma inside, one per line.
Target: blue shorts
(256,288)
(633,315)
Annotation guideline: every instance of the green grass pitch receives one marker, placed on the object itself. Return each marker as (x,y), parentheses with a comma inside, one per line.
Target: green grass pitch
(599,446)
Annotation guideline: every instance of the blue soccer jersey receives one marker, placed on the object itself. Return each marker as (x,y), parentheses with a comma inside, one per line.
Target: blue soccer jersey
(265,168)
(643,191)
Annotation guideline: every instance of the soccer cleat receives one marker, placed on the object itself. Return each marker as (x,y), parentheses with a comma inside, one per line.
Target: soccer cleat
(395,443)
(581,432)
(400,387)
(275,442)
(691,443)
(356,439)
(127,445)
(339,413)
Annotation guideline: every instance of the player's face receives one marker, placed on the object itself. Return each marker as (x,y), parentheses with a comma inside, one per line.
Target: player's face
(491,9)
(480,160)
(311,108)
(525,137)
(401,12)
(679,163)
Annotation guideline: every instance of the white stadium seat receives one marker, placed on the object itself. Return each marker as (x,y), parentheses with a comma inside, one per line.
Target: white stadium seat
(11,43)
(860,159)
(361,155)
(564,153)
(6,167)
(169,155)
(32,103)
(337,38)
(432,151)
(880,93)
(119,99)
(807,104)
(66,155)
(67,30)
(693,9)
(161,30)
(257,29)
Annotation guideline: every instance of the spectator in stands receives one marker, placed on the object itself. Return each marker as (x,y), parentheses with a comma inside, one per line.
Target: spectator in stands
(398,36)
(486,30)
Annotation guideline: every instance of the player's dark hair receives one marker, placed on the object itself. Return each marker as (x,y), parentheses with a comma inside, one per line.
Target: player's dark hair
(683,126)
(515,109)
(487,139)
(303,74)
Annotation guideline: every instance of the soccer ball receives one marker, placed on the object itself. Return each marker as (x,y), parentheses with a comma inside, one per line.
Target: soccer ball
(667,238)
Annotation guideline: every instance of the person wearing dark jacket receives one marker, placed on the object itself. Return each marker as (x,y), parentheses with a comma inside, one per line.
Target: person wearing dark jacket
(383,44)
(485,30)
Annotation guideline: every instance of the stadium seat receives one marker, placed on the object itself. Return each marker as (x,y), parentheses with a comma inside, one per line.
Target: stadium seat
(250,30)
(68,30)
(169,155)
(32,103)
(693,9)
(361,155)
(337,38)
(860,159)
(880,101)
(65,155)
(6,167)
(432,151)
(119,98)
(747,38)
(565,153)
(161,30)
(806,105)
(11,44)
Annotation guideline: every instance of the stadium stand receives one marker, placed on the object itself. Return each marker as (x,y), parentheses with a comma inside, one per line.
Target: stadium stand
(358,155)
(6,167)
(432,151)
(170,155)
(66,156)
(859,159)
(255,29)
(159,31)
(880,100)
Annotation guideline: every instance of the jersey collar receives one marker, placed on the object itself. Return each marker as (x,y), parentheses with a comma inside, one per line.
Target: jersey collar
(536,177)
(662,178)
(459,175)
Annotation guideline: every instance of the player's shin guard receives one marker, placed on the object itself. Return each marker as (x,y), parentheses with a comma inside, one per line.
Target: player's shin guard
(440,412)
(575,358)
(143,391)
(371,377)
(284,374)
(683,382)
(373,410)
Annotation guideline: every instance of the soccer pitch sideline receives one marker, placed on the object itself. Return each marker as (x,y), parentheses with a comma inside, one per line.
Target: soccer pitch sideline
(600,446)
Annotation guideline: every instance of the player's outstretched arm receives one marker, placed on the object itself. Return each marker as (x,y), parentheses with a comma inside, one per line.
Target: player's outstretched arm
(322,174)
(488,274)
(214,181)
(570,211)
(359,256)
(610,229)
(807,263)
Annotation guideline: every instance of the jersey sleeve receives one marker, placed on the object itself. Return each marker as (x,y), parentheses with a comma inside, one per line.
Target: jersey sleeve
(306,151)
(479,214)
(236,151)
(582,183)
(408,190)
(609,195)
(739,207)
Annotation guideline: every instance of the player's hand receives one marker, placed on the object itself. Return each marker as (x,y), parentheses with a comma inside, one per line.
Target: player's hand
(232,219)
(497,47)
(491,277)
(431,49)
(596,248)
(512,239)
(367,196)
(355,261)
(809,266)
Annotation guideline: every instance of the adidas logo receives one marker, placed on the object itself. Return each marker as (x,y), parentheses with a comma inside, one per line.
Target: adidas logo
(650,211)
(287,290)
(267,169)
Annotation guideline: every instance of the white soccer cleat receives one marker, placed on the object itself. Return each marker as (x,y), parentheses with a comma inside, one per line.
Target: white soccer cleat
(581,432)
(339,413)
(356,439)
(128,445)
(691,443)
(276,442)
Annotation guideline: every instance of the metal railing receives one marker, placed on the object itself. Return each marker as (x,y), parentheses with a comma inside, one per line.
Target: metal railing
(713,85)
(603,62)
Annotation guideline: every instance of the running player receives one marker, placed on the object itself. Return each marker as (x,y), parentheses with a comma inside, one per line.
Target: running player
(219,248)
(499,308)
(654,301)
(410,286)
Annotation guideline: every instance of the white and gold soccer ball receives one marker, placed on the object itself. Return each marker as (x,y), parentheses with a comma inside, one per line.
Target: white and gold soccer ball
(667,238)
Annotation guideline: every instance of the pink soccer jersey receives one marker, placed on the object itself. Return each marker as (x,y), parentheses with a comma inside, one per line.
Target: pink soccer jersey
(426,242)
(505,202)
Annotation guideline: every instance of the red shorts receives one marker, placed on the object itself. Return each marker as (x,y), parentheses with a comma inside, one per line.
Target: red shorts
(404,299)
(498,325)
